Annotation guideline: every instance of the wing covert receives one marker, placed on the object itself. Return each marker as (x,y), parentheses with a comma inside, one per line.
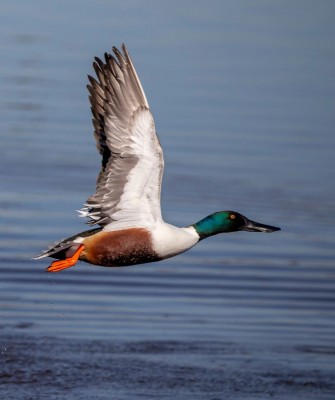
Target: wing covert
(129,183)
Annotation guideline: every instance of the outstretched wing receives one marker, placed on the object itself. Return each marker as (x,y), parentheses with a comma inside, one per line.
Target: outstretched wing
(129,183)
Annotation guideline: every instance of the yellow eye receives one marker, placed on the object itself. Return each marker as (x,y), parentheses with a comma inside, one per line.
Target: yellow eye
(232,216)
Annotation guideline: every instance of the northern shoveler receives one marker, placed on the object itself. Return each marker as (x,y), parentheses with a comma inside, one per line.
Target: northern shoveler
(126,204)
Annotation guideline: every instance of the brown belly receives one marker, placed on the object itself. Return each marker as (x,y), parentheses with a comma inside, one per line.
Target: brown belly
(119,248)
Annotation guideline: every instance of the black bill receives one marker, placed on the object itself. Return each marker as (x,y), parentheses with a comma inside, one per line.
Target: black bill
(252,226)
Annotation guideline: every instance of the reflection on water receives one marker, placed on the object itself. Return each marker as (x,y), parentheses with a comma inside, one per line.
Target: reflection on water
(245,124)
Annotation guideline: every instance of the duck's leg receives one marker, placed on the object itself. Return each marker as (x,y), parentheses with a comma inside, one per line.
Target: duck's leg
(57,266)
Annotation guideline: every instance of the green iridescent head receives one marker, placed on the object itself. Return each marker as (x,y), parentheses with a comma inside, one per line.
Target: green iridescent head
(229,221)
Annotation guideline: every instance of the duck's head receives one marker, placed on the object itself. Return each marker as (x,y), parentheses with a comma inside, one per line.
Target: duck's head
(229,221)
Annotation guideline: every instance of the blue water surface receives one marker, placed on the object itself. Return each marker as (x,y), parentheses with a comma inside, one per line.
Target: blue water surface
(243,97)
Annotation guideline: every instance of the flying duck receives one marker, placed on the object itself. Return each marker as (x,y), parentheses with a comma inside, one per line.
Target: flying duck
(126,204)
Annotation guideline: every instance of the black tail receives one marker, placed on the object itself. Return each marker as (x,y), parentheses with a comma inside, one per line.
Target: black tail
(59,249)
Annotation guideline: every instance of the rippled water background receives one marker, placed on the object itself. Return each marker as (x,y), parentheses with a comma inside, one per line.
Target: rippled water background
(243,96)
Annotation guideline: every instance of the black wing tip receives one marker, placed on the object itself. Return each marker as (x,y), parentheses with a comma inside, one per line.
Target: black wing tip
(108,57)
(98,61)
(99,64)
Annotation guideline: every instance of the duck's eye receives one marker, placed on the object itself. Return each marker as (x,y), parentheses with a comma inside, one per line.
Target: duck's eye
(232,216)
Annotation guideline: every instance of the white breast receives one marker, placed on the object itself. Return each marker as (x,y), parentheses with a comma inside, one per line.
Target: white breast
(168,240)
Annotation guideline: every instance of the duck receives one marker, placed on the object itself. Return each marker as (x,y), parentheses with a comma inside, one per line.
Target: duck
(126,206)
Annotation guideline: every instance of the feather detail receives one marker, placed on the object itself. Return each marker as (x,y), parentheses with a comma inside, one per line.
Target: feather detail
(129,183)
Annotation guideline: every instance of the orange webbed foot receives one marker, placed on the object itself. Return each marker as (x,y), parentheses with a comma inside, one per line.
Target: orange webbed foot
(57,266)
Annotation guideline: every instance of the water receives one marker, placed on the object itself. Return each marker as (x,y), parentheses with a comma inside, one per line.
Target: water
(242,95)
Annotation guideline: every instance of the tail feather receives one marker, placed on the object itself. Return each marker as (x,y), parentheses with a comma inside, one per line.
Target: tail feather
(55,248)
(58,249)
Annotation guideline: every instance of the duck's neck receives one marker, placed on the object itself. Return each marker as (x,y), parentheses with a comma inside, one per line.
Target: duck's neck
(212,225)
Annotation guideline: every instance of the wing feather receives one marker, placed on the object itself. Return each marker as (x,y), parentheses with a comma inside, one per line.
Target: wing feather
(129,183)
